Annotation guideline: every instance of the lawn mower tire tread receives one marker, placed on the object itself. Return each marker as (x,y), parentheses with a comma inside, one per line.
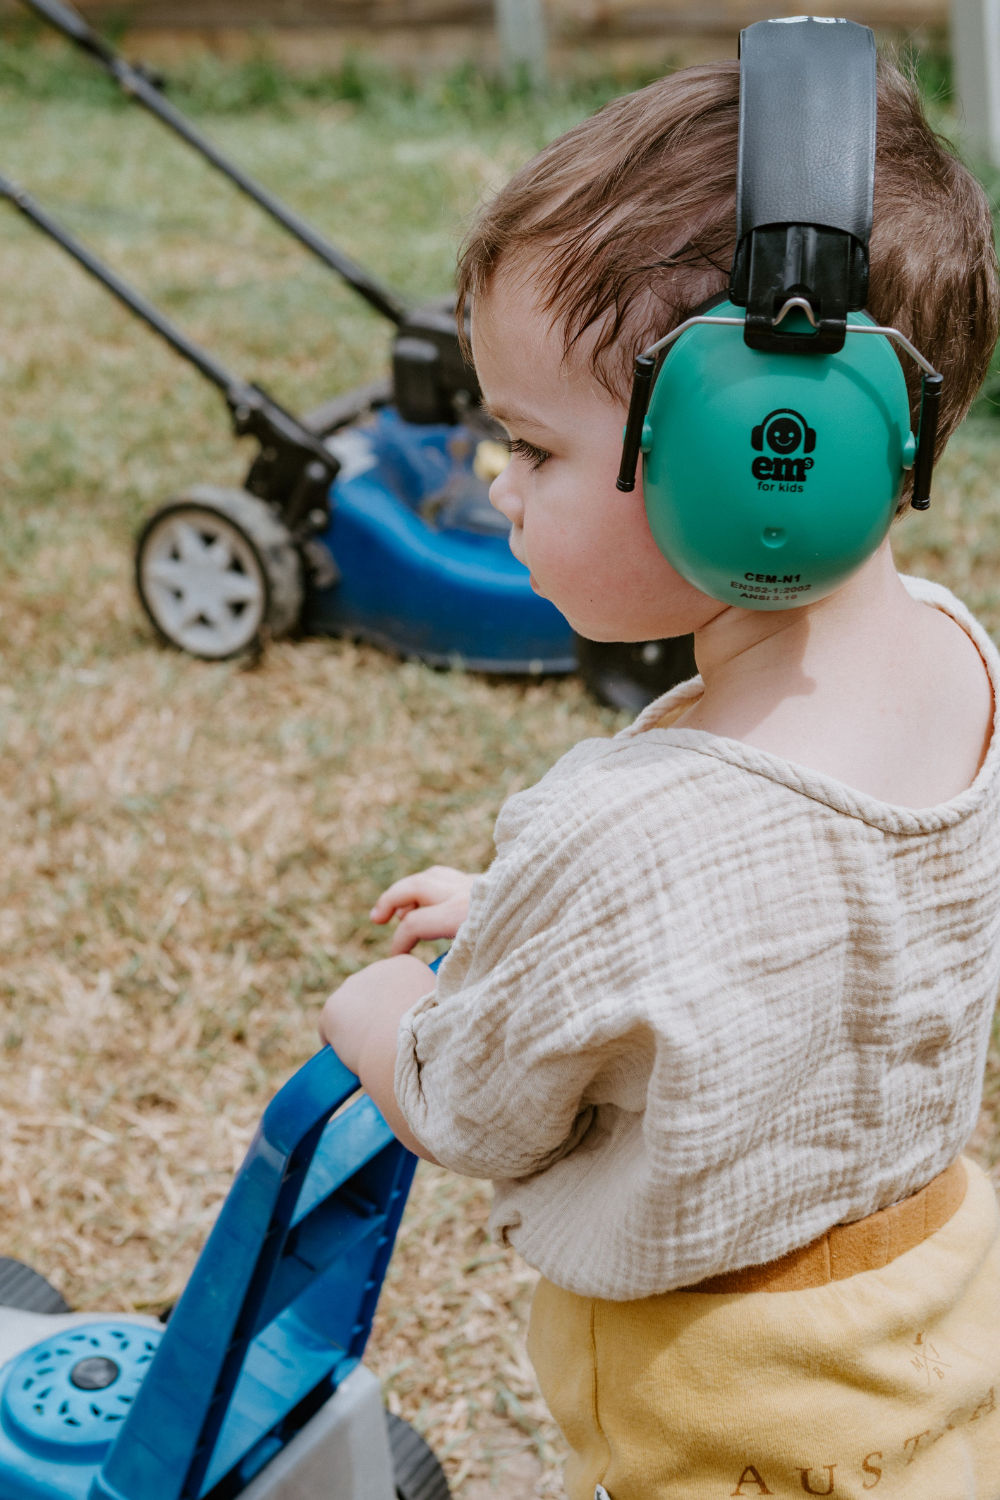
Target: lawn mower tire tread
(417,1472)
(629,676)
(271,544)
(24,1289)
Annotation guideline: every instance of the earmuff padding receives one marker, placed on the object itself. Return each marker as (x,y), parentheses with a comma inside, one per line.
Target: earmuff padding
(807,125)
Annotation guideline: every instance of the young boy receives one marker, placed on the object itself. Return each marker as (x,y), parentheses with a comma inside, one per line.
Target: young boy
(715,1019)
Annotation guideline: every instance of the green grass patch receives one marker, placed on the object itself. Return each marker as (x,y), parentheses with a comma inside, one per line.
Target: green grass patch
(36,63)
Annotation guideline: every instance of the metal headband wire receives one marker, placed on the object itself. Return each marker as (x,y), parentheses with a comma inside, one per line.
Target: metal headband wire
(801,303)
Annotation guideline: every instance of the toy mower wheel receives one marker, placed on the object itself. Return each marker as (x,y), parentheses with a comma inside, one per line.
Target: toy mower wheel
(24,1289)
(217,572)
(416,1470)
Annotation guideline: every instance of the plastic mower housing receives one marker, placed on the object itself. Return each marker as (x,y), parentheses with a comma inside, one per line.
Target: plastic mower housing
(423,561)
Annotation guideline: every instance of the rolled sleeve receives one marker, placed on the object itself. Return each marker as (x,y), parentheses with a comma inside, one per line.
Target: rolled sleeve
(493,1069)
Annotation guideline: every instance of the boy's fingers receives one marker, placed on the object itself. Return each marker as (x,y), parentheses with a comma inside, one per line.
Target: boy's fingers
(429,886)
(403,893)
(424,922)
(412,890)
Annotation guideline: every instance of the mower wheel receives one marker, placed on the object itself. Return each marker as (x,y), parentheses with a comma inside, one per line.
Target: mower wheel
(417,1472)
(218,573)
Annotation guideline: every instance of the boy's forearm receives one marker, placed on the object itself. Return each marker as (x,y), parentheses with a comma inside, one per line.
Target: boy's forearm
(361,1023)
(376,1069)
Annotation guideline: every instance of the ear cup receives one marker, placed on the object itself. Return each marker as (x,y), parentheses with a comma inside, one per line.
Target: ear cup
(771,477)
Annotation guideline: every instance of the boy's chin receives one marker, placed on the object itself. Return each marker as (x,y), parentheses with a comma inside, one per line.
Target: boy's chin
(624,632)
(636,626)
(631,626)
(607,635)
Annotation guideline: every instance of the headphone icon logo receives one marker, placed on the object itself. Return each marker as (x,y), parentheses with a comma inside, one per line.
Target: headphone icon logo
(784,431)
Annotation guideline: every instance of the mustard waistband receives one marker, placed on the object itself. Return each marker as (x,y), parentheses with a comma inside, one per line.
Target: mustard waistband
(848,1249)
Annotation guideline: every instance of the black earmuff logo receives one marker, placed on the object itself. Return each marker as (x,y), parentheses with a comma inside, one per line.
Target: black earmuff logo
(790,439)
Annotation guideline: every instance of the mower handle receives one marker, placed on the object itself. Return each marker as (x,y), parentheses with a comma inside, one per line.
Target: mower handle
(135,82)
(295,469)
(74,26)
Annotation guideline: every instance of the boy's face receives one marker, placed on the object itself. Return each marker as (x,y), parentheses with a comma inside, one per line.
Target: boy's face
(588,546)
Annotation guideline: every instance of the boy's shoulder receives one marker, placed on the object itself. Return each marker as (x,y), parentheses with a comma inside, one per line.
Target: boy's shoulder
(655,781)
(606,785)
(942,598)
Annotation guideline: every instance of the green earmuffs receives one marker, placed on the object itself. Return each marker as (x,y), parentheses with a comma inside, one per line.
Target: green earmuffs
(775,441)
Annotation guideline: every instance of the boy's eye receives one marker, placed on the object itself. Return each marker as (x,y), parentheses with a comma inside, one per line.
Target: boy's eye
(520,449)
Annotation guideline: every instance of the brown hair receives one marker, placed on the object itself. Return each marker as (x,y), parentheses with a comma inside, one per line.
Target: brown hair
(628,222)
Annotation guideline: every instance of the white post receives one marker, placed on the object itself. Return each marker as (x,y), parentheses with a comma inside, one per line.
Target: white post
(521,34)
(975,50)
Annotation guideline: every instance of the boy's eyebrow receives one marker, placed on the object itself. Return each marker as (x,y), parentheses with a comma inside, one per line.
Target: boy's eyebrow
(512,414)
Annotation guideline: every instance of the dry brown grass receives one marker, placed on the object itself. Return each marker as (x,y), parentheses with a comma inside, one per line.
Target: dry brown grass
(188,858)
(189,852)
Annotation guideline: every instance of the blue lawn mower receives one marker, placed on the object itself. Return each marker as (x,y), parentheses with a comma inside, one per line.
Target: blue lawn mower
(369,517)
(255,1387)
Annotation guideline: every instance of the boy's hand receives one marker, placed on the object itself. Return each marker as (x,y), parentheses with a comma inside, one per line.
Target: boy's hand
(433,904)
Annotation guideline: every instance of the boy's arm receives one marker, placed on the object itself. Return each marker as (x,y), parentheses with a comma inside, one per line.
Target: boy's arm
(361,1023)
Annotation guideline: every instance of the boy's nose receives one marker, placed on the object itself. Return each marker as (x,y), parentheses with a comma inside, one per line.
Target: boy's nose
(505,499)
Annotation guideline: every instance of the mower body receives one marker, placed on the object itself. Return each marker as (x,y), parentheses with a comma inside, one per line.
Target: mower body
(254,1388)
(420,561)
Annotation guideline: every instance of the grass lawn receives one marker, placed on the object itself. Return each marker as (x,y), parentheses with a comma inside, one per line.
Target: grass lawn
(190,851)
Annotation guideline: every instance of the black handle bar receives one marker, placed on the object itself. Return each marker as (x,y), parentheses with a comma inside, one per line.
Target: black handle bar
(234,389)
(295,469)
(134,82)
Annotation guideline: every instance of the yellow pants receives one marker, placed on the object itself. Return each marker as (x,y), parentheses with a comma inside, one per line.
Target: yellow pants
(888,1381)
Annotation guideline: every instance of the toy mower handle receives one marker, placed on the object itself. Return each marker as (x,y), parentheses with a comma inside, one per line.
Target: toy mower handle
(281,1300)
(304,1102)
(167,1444)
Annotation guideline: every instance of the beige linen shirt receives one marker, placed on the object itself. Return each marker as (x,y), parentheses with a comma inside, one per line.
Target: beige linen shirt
(708,1003)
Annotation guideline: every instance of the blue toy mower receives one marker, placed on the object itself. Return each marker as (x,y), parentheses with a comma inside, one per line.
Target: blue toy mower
(255,1387)
(369,517)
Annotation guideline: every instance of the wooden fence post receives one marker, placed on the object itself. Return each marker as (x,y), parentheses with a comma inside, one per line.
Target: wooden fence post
(975,48)
(521,35)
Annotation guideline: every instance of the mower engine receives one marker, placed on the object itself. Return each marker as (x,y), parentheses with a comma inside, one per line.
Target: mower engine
(431,379)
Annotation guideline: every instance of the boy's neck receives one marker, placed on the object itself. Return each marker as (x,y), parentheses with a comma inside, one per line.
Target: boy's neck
(867,686)
(742,644)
